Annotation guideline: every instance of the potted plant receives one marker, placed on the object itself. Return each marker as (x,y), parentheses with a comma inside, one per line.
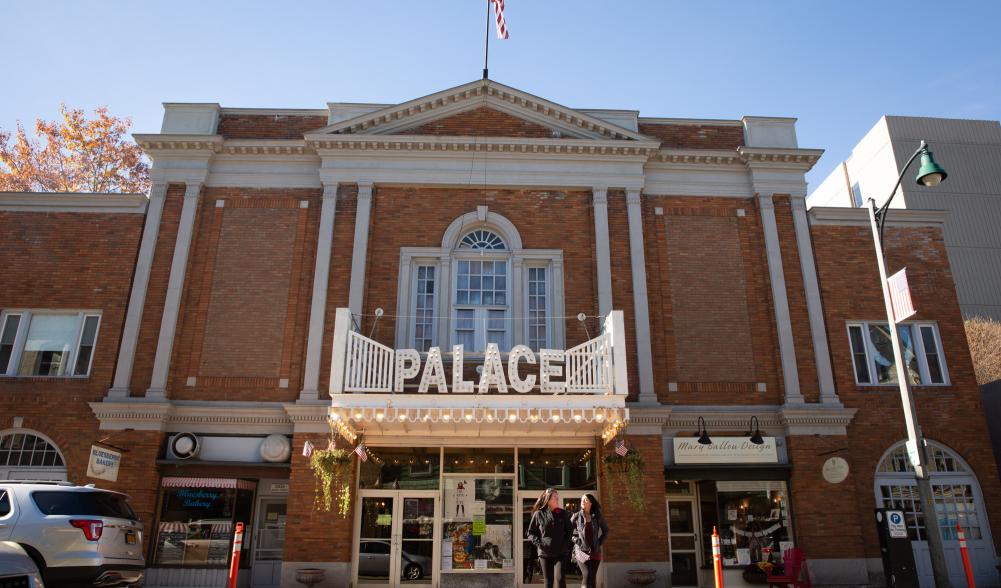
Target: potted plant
(332,470)
(626,473)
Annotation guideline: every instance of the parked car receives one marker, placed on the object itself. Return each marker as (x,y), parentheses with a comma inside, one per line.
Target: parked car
(76,535)
(373,561)
(16,568)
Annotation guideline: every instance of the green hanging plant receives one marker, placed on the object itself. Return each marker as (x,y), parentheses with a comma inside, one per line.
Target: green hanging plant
(332,470)
(626,473)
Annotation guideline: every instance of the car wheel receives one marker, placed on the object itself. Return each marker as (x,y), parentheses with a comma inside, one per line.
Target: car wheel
(413,572)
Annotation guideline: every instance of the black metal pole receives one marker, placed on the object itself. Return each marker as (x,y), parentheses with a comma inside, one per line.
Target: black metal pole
(486,45)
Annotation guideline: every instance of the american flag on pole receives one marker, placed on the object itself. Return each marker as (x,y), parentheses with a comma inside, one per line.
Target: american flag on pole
(307,448)
(900,296)
(501,24)
(360,450)
(620,448)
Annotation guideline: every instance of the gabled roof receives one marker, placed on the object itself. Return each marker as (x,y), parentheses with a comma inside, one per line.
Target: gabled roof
(395,119)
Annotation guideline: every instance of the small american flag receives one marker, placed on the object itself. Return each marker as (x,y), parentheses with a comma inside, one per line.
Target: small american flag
(501,24)
(900,296)
(620,448)
(307,448)
(360,450)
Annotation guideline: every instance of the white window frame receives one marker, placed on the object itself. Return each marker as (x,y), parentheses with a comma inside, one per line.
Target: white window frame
(919,351)
(411,319)
(481,312)
(14,365)
(444,259)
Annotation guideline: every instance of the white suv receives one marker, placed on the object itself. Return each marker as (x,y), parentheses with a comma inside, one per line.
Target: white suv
(77,535)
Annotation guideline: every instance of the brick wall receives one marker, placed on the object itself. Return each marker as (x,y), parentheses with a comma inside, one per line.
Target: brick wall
(682,136)
(636,536)
(952,414)
(268,126)
(482,122)
(312,535)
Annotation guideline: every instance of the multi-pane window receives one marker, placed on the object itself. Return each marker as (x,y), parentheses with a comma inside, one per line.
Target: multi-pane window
(47,343)
(25,449)
(424,308)
(537,313)
(872,353)
(481,297)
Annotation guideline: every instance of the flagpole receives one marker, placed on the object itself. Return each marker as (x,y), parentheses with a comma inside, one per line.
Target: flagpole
(486,44)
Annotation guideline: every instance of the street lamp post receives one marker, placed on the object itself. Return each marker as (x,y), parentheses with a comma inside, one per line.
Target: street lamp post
(929,175)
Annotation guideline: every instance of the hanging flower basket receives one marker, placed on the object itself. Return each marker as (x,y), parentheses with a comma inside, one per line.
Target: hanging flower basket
(332,470)
(626,474)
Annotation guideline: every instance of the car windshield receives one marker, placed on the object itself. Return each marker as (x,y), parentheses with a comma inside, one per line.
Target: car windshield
(94,504)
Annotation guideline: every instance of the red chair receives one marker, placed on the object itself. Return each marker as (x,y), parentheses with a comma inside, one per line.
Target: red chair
(794,566)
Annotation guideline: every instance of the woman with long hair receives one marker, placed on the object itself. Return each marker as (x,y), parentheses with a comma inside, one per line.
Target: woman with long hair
(589,533)
(550,531)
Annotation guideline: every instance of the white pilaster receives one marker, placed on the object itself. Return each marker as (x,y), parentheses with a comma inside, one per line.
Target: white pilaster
(175,288)
(644,359)
(783,323)
(137,298)
(318,303)
(360,248)
(814,305)
(602,256)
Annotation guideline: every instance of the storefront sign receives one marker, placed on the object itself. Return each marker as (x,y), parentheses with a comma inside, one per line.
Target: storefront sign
(733,450)
(835,470)
(103,464)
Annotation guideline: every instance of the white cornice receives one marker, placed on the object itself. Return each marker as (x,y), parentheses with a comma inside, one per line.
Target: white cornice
(480,144)
(784,158)
(158,142)
(859,217)
(809,419)
(698,156)
(73,202)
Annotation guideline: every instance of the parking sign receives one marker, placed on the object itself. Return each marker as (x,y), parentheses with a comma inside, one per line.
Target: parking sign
(895,522)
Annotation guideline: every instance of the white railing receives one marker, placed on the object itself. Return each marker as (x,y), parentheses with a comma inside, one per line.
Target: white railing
(589,367)
(370,365)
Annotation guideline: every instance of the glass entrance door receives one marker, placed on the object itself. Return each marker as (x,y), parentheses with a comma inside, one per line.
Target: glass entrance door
(527,563)
(269,540)
(397,538)
(681,523)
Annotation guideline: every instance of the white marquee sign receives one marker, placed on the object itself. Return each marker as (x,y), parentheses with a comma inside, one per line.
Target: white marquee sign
(597,366)
(729,450)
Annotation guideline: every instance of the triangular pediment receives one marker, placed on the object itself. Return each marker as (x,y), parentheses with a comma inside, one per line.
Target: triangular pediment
(482,108)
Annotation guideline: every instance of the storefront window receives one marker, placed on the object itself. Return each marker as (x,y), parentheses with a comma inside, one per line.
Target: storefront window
(196,524)
(403,468)
(467,460)
(753,522)
(478,524)
(565,469)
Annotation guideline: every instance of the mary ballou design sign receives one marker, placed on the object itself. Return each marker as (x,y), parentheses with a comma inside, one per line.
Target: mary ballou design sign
(725,450)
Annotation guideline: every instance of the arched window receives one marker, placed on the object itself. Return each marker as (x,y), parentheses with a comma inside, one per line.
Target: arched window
(957,498)
(481,286)
(25,455)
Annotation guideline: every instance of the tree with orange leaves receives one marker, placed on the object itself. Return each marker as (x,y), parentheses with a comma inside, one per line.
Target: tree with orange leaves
(76,154)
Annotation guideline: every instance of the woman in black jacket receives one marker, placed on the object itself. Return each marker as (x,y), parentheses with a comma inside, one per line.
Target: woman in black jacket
(550,532)
(589,533)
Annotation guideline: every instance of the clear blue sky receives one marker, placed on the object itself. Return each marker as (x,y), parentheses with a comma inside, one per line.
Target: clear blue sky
(837,66)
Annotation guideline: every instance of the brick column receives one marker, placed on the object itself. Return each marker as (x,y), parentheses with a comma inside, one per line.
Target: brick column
(318,302)
(636,539)
(137,298)
(175,289)
(602,256)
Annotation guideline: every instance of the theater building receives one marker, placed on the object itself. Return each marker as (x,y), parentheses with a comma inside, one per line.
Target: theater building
(486,292)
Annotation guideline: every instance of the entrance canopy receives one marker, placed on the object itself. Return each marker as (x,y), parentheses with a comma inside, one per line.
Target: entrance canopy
(578,392)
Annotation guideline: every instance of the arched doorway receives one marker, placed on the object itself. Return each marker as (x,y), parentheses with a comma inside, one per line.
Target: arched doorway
(29,455)
(957,499)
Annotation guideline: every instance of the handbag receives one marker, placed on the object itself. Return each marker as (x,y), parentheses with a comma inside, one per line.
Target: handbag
(581,556)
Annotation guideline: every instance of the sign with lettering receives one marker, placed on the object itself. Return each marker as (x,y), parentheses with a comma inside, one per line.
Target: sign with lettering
(730,450)
(103,464)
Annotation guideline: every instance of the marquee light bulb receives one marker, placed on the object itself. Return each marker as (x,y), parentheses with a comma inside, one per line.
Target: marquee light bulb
(513,417)
(469,417)
(599,417)
(446,417)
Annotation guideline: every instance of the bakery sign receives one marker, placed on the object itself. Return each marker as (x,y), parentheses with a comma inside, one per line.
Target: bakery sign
(725,450)
(103,464)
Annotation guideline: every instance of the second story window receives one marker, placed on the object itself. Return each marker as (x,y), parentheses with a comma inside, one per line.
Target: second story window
(872,353)
(47,343)
(481,286)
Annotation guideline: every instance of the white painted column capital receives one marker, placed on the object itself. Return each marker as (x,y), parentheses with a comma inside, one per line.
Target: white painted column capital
(783,322)
(814,303)
(137,297)
(644,356)
(318,302)
(175,289)
(359,251)
(602,254)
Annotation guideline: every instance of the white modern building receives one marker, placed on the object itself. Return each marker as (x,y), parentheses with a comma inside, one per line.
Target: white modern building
(970,151)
